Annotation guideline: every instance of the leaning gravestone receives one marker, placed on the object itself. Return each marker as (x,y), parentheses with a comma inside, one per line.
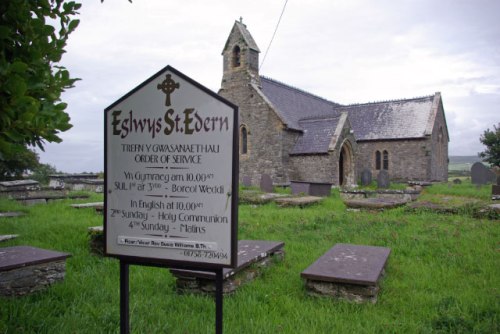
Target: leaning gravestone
(383,179)
(366,177)
(480,174)
(266,184)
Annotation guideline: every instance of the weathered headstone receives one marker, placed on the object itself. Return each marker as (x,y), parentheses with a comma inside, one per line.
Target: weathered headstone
(266,184)
(457,181)
(366,177)
(480,174)
(383,179)
(247,181)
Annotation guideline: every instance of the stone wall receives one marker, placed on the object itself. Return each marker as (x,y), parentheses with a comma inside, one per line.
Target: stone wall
(25,280)
(439,148)
(408,159)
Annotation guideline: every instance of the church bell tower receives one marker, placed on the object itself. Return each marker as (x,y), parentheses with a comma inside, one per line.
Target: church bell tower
(240,57)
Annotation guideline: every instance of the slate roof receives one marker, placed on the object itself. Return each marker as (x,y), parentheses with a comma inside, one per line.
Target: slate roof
(316,136)
(293,104)
(317,118)
(400,119)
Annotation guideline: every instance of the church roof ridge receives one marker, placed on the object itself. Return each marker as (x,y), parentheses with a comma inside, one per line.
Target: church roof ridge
(293,88)
(319,118)
(386,101)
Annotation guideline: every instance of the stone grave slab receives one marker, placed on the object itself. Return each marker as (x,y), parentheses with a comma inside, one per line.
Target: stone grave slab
(346,271)
(298,201)
(383,180)
(266,183)
(321,189)
(94,205)
(19,185)
(480,174)
(25,269)
(375,203)
(11,214)
(366,177)
(44,198)
(5,237)
(253,256)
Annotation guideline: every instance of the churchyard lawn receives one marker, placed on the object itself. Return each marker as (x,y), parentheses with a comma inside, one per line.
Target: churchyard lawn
(442,276)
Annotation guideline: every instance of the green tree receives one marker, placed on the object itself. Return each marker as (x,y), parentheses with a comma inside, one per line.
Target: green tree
(42,172)
(33,35)
(491,139)
(13,166)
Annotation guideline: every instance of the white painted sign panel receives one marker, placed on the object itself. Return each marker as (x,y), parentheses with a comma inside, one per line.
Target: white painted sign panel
(171,174)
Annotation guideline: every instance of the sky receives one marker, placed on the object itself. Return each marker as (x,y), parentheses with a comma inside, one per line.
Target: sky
(347,51)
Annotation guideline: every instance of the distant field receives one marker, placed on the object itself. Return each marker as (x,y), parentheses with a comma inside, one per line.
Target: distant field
(460,163)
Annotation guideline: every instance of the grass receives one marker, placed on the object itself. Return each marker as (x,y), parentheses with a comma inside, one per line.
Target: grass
(443,275)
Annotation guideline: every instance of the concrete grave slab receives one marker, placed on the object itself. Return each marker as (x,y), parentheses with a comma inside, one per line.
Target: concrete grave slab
(375,203)
(11,214)
(253,255)
(348,271)
(25,269)
(5,237)
(298,201)
(94,205)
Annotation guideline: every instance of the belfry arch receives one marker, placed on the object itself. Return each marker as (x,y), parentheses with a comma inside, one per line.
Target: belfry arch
(346,166)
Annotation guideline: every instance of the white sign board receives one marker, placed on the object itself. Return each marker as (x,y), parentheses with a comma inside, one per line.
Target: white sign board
(171,174)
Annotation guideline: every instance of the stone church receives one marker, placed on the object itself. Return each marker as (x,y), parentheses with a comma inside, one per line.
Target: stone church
(293,135)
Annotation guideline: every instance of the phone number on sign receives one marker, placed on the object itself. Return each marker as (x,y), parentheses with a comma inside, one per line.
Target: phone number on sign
(205,254)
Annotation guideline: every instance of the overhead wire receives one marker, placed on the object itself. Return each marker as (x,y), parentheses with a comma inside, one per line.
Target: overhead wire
(274,34)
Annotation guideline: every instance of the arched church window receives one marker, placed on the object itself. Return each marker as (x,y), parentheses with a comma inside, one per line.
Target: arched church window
(378,160)
(236,56)
(243,140)
(386,160)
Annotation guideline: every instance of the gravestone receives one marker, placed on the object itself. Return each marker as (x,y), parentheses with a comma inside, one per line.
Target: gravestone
(247,181)
(25,269)
(266,184)
(457,181)
(346,271)
(366,177)
(383,179)
(480,174)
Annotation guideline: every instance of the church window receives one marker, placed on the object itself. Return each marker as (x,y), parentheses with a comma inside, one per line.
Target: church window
(378,160)
(386,160)
(236,56)
(243,140)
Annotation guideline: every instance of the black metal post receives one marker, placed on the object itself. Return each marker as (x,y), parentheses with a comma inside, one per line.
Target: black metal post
(124,298)
(218,301)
